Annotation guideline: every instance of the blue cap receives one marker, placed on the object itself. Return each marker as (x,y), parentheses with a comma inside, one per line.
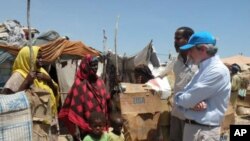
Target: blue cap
(199,38)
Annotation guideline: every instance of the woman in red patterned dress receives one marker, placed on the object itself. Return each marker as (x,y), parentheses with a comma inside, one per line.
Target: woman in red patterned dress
(87,94)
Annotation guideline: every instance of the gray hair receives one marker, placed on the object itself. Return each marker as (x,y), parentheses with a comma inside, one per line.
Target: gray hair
(211,49)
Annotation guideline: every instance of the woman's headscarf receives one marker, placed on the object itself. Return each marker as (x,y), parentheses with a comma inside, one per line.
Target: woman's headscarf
(84,70)
(22,65)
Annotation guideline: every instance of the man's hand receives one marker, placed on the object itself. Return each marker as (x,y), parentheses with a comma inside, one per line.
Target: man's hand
(200,106)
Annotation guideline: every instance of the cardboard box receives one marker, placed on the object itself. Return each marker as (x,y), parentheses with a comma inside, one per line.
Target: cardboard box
(134,88)
(141,127)
(144,112)
(137,99)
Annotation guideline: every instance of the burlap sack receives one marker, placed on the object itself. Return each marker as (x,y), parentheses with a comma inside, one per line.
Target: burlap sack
(229,118)
(241,110)
(40,107)
(44,125)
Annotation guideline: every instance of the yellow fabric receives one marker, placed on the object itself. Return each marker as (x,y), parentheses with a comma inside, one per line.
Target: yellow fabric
(114,137)
(22,65)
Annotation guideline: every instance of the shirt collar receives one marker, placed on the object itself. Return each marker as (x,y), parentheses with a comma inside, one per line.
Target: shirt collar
(208,61)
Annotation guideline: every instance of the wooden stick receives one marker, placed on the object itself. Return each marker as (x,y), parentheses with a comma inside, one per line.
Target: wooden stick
(29,41)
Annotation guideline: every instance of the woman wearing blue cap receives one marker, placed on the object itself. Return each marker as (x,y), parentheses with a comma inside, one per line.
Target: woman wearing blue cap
(204,100)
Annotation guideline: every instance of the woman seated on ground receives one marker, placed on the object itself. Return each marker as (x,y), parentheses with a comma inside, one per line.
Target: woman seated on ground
(88,94)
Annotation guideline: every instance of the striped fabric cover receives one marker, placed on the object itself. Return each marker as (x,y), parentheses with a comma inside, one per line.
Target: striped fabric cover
(15,118)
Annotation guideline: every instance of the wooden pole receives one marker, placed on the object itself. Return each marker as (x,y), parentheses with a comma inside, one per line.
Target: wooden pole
(30,40)
(116,57)
(105,53)
(104,41)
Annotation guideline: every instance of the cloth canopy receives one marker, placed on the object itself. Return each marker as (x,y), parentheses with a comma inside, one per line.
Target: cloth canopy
(52,50)
(238,59)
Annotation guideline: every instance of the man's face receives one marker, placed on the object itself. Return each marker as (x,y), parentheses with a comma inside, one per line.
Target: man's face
(195,55)
(179,40)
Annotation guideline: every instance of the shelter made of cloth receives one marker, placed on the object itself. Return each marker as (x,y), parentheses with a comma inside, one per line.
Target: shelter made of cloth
(238,59)
(52,50)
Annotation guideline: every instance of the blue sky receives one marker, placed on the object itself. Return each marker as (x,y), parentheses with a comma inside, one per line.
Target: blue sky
(139,22)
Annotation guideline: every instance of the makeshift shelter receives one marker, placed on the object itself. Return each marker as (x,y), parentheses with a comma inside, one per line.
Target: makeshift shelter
(127,64)
(60,51)
(53,50)
(241,60)
(12,34)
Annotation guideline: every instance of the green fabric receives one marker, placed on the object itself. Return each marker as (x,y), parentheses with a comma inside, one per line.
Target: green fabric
(242,92)
(104,137)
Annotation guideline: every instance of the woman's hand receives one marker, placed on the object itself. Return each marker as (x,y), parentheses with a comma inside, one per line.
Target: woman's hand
(28,81)
(46,78)
(31,76)
(43,77)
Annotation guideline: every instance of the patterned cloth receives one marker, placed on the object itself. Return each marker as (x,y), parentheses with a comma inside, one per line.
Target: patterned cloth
(87,94)
(16,122)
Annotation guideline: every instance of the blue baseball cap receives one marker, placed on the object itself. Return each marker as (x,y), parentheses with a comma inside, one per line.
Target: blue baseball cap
(199,38)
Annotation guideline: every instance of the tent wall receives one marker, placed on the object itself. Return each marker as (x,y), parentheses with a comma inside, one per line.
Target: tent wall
(66,70)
